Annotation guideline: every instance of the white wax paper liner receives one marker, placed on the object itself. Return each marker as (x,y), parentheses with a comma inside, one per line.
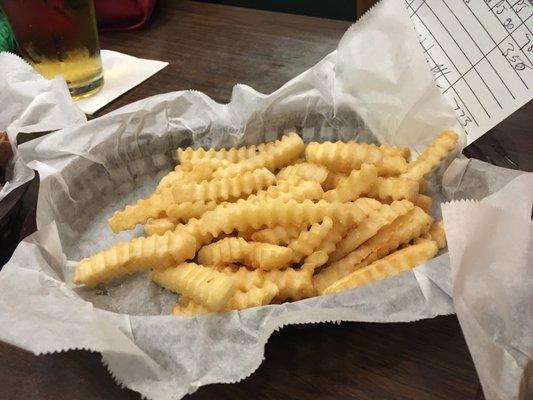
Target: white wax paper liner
(92,169)
(29,104)
(491,257)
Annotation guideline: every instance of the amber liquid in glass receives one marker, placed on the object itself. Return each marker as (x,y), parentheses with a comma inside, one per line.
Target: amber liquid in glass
(59,37)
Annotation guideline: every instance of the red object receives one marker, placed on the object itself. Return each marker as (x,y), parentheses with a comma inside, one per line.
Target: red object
(123,14)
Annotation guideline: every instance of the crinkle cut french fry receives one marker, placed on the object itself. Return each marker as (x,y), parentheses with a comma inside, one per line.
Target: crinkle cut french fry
(203,285)
(309,240)
(387,189)
(257,255)
(159,226)
(343,157)
(254,297)
(279,154)
(401,231)
(393,264)
(358,183)
(287,190)
(138,213)
(137,255)
(211,164)
(243,214)
(232,155)
(437,234)
(315,260)
(424,202)
(365,206)
(292,283)
(333,180)
(295,284)
(268,256)
(203,171)
(432,156)
(392,165)
(336,234)
(394,151)
(370,226)
(306,171)
(278,234)
(223,188)
(224,251)
(188,210)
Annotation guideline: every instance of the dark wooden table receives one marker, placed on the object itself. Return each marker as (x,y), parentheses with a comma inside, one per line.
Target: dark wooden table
(211,48)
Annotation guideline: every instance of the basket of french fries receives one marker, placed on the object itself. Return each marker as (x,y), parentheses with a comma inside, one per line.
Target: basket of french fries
(244,227)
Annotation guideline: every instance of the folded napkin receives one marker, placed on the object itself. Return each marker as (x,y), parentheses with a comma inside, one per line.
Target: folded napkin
(121,73)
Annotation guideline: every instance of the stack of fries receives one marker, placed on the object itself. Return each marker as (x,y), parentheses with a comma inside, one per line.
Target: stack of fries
(244,227)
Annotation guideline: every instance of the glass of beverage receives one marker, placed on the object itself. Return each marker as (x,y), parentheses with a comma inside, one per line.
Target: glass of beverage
(59,37)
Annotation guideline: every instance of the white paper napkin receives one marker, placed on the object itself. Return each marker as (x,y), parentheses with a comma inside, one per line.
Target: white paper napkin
(121,73)
(491,257)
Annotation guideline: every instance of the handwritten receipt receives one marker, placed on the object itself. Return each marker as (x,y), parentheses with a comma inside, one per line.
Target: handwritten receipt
(481,53)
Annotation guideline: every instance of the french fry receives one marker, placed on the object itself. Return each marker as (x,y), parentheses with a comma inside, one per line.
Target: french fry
(278,235)
(279,154)
(295,284)
(432,156)
(402,230)
(287,190)
(393,264)
(390,189)
(393,151)
(203,171)
(269,256)
(205,164)
(423,201)
(309,240)
(243,215)
(437,234)
(333,180)
(186,211)
(370,226)
(232,155)
(159,226)
(392,165)
(358,183)
(257,255)
(305,171)
(315,260)
(224,251)
(222,188)
(343,157)
(137,255)
(203,285)
(254,297)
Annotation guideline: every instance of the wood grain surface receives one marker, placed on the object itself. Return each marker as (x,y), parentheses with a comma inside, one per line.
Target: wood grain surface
(211,48)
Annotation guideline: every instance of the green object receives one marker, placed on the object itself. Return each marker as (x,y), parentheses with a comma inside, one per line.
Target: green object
(7,41)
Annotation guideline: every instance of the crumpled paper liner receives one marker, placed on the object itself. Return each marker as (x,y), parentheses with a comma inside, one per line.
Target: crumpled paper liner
(92,169)
(30,103)
(491,259)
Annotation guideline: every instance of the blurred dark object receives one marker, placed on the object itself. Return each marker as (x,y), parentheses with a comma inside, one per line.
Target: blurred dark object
(123,14)
(364,5)
(5,155)
(17,217)
(333,9)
